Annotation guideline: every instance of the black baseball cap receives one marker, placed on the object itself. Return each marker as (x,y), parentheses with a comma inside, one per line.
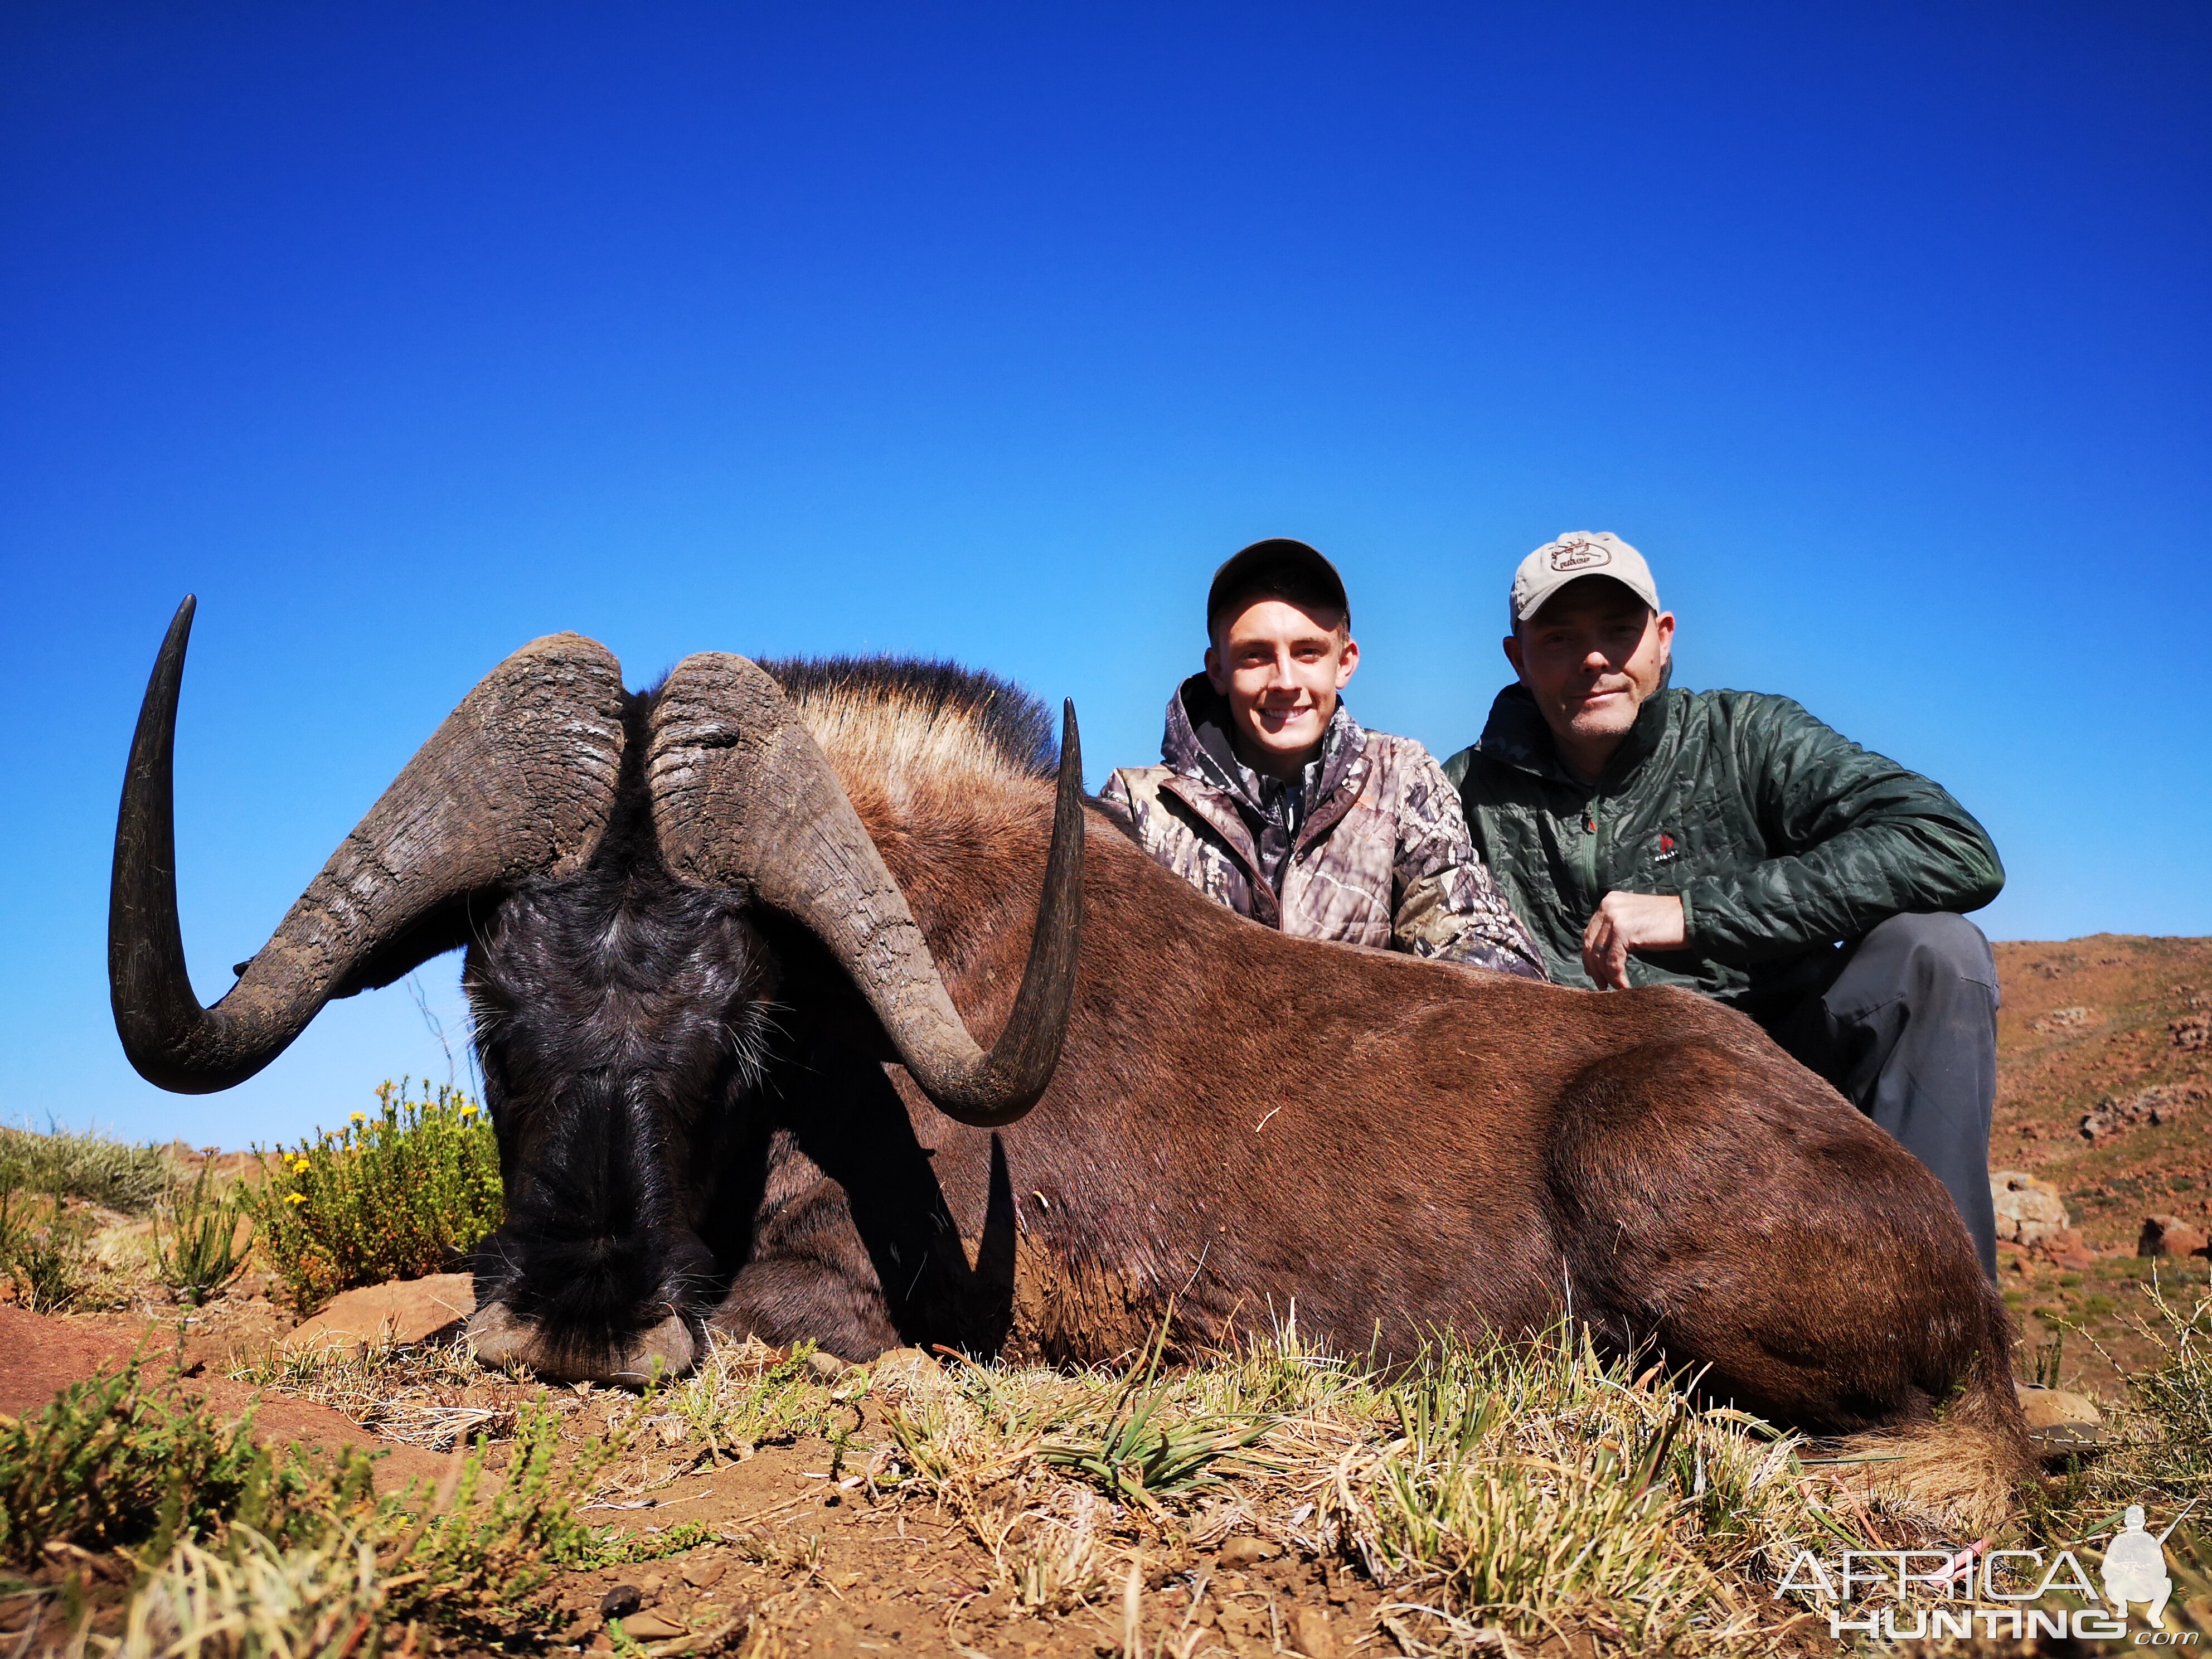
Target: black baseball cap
(1290,568)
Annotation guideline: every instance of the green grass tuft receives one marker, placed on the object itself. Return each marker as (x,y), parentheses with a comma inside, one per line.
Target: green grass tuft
(201,1251)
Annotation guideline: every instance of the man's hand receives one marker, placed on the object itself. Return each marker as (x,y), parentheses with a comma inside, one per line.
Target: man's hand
(1626,922)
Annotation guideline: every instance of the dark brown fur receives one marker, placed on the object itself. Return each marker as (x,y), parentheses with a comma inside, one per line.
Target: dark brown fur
(1244,1125)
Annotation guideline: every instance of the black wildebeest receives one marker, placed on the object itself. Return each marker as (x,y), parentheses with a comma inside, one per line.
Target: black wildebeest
(727,945)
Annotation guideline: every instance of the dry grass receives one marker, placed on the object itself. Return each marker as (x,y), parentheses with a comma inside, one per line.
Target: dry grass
(256,1601)
(1534,1490)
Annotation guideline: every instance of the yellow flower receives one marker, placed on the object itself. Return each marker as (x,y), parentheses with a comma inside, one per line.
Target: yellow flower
(360,1117)
(468,1111)
(300,1166)
(295,1198)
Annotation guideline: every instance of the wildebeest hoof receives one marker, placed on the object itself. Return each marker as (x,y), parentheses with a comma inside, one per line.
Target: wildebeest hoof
(500,1339)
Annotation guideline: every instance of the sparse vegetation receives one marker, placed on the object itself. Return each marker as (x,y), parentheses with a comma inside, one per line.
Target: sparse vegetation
(396,1193)
(111,1463)
(201,1250)
(67,1163)
(45,1250)
(254,1548)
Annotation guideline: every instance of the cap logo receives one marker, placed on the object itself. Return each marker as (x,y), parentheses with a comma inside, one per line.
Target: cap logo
(1580,555)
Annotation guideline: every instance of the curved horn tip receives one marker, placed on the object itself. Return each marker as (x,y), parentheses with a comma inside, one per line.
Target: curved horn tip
(1071,739)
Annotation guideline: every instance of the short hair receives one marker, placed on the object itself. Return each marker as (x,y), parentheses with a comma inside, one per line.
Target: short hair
(1278,568)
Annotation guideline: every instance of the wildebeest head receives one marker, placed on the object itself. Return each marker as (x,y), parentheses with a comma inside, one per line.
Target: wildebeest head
(614,865)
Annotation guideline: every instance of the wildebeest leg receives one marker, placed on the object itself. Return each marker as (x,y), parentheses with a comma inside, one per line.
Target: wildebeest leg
(808,1277)
(1725,1204)
(854,1235)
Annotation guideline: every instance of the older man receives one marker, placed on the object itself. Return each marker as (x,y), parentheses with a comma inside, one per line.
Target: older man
(1728,842)
(1273,800)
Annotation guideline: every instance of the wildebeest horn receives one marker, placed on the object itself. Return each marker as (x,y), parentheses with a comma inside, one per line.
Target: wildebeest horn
(742,797)
(519,779)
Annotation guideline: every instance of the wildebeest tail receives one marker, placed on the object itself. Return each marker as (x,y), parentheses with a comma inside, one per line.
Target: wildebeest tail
(1963,1468)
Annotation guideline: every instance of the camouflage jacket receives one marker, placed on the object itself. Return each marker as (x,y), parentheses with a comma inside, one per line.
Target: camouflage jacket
(1370,848)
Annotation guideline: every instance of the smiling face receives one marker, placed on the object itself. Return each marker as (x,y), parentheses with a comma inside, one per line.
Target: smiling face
(1590,656)
(1281,667)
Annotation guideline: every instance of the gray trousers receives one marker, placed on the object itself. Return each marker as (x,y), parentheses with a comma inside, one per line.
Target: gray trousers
(1905,1025)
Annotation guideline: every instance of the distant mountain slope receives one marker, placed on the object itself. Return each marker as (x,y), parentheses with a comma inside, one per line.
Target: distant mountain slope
(2116,1026)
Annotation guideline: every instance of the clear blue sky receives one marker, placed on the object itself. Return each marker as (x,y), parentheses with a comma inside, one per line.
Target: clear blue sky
(404,333)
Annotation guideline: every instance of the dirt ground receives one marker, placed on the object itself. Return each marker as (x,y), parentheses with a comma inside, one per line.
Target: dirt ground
(805,1559)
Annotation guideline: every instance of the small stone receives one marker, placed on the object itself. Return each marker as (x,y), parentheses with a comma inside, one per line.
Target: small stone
(699,1574)
(1311,1634)
(650,1627)
(620,1601)
(2046,1408)
(825,1365)
(2067,1249)
(2170,1236)
(602,1643)
(1247,1551)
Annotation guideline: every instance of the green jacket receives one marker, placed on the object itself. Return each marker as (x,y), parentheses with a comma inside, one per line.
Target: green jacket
(1782,837)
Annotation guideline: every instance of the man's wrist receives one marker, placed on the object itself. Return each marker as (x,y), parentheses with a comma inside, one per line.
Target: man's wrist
(1689,918)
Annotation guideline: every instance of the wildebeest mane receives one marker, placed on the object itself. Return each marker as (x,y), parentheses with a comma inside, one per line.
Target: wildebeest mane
(931,708)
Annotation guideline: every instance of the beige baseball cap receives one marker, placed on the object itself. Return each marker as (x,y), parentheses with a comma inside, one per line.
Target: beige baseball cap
(1577,554)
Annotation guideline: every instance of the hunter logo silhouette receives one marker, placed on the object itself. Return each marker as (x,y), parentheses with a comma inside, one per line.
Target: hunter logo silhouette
(2134,1567)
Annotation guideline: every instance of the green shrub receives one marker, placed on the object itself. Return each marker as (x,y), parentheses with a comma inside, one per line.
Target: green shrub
(397,1194)
(273,1544)
(111,1463)
(45,1249)
(67,1163)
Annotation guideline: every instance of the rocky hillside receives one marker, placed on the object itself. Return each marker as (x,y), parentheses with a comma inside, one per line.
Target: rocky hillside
(2105,1090)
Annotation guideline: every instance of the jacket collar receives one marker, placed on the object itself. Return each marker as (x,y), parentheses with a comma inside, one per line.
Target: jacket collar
(1515,734)
(1196,746)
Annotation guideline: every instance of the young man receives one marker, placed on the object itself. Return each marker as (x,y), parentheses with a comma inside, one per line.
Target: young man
(1728,842)
(1275,802)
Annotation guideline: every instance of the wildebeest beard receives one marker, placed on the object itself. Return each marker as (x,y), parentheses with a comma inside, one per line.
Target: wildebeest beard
(625,1023)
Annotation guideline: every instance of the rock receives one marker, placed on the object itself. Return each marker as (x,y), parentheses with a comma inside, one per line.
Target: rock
(2029,1210)
(1247,1551)
(2169,1235)
(2191,1033)
(2060,1423)
(650,1627)
(387,1315)
(827,1366)
(1311,1634)
(2067,1249)
(699,1574)
(2045,1408)
(2161,1104)
(621,1600)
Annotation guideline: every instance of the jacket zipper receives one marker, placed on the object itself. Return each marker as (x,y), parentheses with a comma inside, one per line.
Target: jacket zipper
(1589,860)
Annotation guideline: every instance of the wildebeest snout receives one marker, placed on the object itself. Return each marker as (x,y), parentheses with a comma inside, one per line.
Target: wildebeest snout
(502,1339)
